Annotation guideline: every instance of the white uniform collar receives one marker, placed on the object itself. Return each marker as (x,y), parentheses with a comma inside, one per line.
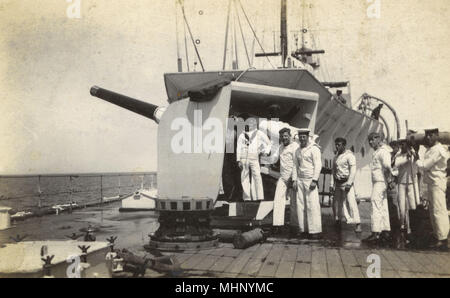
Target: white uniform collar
(385,147)
(347,151)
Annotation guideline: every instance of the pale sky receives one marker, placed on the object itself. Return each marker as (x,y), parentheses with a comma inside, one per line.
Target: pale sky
(48,62)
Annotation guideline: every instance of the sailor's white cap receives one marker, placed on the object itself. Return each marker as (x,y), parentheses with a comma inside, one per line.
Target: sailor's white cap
(303,131)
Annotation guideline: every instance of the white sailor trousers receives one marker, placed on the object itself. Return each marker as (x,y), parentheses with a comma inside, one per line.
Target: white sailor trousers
(346,204)
(305,209)
(282,193)
(257,193)
(380,212)
(438,211)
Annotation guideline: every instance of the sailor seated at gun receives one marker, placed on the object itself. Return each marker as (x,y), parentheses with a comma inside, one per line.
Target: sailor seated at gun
(408,187)
(251,144)
(343,175)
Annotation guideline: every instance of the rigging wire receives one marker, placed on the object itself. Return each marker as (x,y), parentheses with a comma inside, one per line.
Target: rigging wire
(253,51)
(235,42)
(242,34)
(226,35)
(262,41)
(186,47)
(254,34)
(176,30)
(232,43)
(190,33)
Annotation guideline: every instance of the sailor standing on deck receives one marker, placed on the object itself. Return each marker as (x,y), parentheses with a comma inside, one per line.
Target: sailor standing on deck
(380,168)
(344,171)
(284,184)
(251,143)
(305,175)
(408,185)
(434,167)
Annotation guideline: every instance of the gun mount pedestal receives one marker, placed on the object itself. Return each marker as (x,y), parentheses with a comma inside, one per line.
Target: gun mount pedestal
(184,225)
(184,221)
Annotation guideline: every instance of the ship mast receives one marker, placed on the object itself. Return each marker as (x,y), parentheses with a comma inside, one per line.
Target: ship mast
(304,54)
(283,31)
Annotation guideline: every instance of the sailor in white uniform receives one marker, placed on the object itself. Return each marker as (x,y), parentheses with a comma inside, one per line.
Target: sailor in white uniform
(434,166)
(408,185)
(284,185)
(344,171)
(380,168)
(306,206)
(250,145)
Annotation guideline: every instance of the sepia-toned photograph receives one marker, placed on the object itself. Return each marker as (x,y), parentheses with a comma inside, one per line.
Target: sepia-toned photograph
(224,139)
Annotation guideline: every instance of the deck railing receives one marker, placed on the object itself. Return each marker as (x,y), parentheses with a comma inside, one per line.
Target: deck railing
(29,191)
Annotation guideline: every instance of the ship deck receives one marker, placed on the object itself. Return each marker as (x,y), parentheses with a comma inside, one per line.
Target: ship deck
(337,255)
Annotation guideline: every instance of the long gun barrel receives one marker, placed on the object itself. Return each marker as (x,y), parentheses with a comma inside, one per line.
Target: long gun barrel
(142,108)
(419,137)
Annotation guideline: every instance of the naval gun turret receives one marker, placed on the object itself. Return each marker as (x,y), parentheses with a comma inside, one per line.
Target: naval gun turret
(184,219)
(192,147)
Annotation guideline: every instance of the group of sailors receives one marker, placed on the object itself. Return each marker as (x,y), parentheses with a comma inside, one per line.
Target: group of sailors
(392,172)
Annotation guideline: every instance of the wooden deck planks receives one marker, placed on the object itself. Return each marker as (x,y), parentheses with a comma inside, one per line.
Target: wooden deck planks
(428,264)
(276,252)
(192,261)
(207,262)
(385,264)
(302,267)
(285,269)
(396,262)
(252,267)
(407,274)
(351,267)
(348,258)
(219,251)
(181,257)
(361,257)
(302,270)
(288,261)
(281,260)
(334,263)
(289,253)
(239,262)
(231,251)
(354,271)
(408,259)
(262,251)
(441,263)
(272,261)
(386,273)
(304,253)
(221,264)
(318,263)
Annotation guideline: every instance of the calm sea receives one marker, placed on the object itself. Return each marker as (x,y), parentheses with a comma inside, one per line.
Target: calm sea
(22,192)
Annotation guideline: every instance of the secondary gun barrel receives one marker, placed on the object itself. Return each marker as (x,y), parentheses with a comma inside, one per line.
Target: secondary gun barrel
(419,137)
(139,107)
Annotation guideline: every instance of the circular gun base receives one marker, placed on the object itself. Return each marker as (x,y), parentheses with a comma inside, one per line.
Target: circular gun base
(179,231)
(182,246)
